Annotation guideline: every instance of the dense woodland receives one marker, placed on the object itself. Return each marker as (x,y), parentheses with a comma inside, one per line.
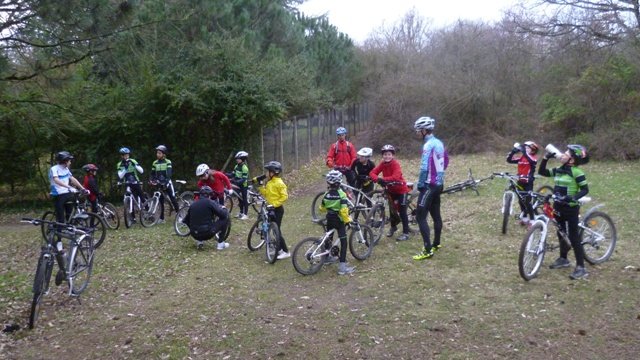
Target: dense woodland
(203,76)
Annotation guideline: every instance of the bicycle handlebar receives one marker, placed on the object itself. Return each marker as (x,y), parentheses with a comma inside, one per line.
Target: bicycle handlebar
(36,222)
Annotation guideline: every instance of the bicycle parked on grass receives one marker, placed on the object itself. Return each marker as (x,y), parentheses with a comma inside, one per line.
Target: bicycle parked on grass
(470,183)
(513,191)
(81,217)
(310,254)
(183,230)
(75,268)
(253,197)
(154,208)
(108,212)
(598,236)
(265,232)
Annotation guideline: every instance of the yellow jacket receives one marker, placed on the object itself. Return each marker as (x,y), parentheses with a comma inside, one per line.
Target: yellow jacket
(275,191)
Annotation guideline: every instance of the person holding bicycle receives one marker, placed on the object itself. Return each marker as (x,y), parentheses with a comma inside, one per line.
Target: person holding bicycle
(361,168)
(335,203)
(129,171)
(89,182)
(275,193)
(430,184)
(161,171)
(200,219)
(570,184)
(527,161)
(396,188)
(241,179)
(341,155)
(216,180)
(63,185)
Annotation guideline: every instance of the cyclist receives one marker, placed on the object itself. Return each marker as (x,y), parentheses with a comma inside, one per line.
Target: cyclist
(129,171)
(570,185)
(361,169)
(335,203)
(240,178)
(275,193)
(430,183)
(161,171)
(62,185)
(526,161)
(396,187)
(341,155)
(200,219)
(89,182)
(216,180)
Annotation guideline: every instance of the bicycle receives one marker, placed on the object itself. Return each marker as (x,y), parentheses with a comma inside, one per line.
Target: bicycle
(80,262)
(130,205)
(81,217)
(265,232)
(187,196)
(154,208)
(183,230)
(377,217)
(598,236)
(310,254)
(253,197)
(470,183)
(108,212)
(513,190)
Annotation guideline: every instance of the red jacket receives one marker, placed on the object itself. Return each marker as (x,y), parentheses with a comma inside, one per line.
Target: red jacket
(217,181)
(391,172)
(343,156)
(89,182)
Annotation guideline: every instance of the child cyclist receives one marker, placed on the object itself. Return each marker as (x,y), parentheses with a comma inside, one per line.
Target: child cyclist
(240,178)
(161,172)
(275,193)
(335,204)
(527,161)
(397,189)
(128,171)
(361,167)
(90,183)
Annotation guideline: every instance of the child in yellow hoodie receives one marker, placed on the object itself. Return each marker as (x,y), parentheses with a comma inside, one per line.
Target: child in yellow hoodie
(275,192)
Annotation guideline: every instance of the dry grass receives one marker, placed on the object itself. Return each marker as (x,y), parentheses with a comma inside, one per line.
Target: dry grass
(154,296)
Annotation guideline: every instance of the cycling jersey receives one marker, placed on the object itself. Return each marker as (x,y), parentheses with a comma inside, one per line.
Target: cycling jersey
(341,154)
(161,171)
(275,191)
(526,166)
(217,181)
(89,182)
(129,173)
(434,162)
(392,173)
(569,181)
(241,174)
(63,174)
(200,219)
(336,204)
(361,172)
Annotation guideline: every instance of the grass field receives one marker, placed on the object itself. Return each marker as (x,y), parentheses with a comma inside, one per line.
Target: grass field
(153,296)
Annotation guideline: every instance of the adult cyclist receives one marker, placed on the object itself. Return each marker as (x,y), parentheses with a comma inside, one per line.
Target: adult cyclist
(161,171)
(341,155)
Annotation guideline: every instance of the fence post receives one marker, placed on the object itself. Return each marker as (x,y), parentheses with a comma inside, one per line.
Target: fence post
(281,143)
(295,141)
(262,144)
(309,129)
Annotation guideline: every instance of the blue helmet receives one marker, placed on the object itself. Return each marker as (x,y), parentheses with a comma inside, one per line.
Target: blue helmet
(125,150)
(341,131)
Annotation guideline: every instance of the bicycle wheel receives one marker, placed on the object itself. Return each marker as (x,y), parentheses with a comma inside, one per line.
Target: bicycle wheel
(376,220)
(80,265)
(506,210)
(150,213)
(361,242)
(532,252)
(187,196)
(271,241)
(128,217)
(315,207)
(227,232)
(545,190)
(40,285)
(255,239)
(599,238)
(47,229)
(304,258)
(110,215)
(181,228)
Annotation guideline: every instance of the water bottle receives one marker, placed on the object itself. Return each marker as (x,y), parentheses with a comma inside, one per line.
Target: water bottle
(552,149)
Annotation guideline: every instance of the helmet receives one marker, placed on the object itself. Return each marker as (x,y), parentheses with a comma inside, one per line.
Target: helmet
(63,156)
(341,131)
(579,154)
(242,155)
(201,169)
(388,148)
(206,191)
(424,123)
(274,166)
(533,146)
(365,151)
(89,167)
(162,148)
(125,150)
(334,177)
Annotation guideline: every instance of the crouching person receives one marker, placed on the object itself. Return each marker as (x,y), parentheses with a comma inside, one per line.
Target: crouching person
(206,219)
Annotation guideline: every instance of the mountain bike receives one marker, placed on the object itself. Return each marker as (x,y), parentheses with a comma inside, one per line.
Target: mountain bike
(183,230)
(81,217)
(186,196)
(132,204)
(265,232)
(154,208)
(377,217)
(513,191)
(253,197)
(598,236)
(470,183)
(77,272)
(108,212)
(310,254)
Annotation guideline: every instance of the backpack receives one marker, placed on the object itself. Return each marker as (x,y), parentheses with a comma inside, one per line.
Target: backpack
(348,148)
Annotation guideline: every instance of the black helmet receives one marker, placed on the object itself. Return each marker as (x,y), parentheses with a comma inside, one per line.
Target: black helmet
(274,166)
(162,148)
(206,191)
(89,167)
(63,156)
(579,154)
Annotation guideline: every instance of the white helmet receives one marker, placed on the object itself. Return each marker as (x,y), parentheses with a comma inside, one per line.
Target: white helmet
(424,123)
(365,151)
(334,177)
(201,169)
(242,155)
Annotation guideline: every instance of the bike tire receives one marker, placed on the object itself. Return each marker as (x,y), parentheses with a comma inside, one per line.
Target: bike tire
(361,242)
(228,203)
(545,190)
(150,213)
(271,243)
(40,286)
(376,220)
(110,215)
(315,207)
(80,265)
(47,229)
(227,232)
(597,251)
(128,218)
(506,211)
(254,239)
(532,250)
(93,224)
(180,227)
(187,196)
(303,260)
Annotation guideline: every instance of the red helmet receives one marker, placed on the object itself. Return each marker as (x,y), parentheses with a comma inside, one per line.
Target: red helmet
(89,167)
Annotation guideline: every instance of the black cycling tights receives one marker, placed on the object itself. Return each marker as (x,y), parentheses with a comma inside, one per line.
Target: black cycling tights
(429,203)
